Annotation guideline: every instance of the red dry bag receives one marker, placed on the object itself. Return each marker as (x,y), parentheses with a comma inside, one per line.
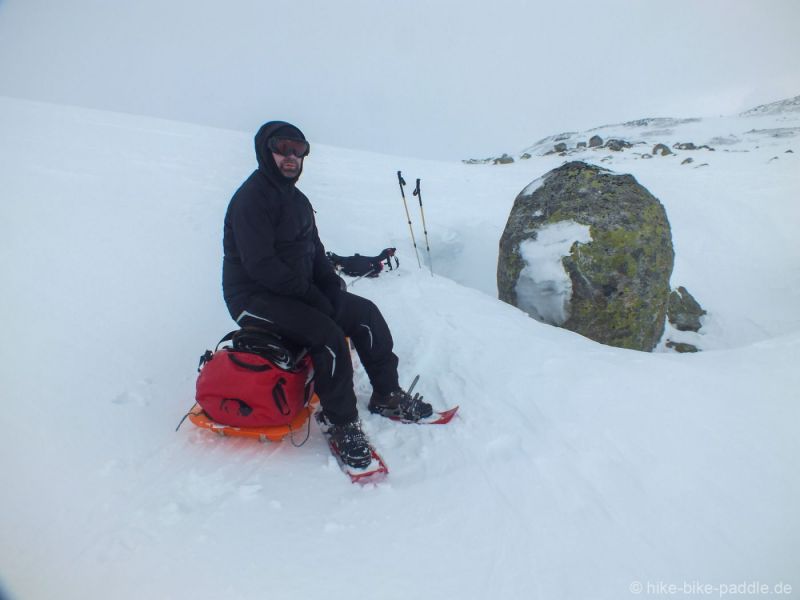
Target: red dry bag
(248,384)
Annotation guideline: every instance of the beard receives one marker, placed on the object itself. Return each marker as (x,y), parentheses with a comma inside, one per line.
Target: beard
(290,168)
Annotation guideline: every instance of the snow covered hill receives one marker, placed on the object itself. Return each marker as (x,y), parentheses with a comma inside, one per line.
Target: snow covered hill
(781,107)
(766,126)
(574,470)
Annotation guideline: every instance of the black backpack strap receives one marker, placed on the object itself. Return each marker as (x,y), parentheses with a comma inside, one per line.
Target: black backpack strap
(279,397)
(284,353)
(246,365)
(208,353)
(227,338)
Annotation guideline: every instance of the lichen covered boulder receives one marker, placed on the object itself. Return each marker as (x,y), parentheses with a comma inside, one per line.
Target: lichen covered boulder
(591,251)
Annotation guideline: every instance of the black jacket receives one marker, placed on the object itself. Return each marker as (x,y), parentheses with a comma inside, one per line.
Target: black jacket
(270,238)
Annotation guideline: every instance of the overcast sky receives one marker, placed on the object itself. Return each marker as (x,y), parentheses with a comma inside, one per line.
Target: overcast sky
(448,79)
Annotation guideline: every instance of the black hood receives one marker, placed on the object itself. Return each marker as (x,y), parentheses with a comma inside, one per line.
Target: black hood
(266,164)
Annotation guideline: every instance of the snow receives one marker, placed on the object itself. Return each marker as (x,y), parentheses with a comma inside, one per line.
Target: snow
(573,469)
(544,288)
(533,186)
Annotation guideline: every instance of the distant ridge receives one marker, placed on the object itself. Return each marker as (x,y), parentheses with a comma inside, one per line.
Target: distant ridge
(649,122)
(774,108)
(667,131)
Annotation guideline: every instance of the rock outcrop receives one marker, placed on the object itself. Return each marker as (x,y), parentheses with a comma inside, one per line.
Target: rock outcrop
(618,145)
(591,251)
(691,146)
(662,149)
(683,311)
(682,347)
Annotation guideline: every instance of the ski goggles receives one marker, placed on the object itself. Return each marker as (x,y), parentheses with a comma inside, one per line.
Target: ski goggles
(286,147)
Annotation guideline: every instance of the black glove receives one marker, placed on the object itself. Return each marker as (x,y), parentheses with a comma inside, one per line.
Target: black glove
(314,297)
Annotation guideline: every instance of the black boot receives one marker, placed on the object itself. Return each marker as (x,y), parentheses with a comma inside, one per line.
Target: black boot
(400,405)
(349,442)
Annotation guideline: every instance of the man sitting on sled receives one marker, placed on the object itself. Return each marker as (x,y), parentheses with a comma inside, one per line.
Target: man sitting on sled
(275,275)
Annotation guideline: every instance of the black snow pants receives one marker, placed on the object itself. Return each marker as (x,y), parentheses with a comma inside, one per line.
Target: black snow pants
(354,317)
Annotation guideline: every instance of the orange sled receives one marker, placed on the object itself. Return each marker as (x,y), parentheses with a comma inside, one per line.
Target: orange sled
(264,434)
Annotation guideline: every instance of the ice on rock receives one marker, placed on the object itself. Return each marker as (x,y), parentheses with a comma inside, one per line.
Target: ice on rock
(544,287)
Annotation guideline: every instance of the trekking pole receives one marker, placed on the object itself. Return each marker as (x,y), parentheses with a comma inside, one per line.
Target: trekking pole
(408,216)
(418,194)
(367,274)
